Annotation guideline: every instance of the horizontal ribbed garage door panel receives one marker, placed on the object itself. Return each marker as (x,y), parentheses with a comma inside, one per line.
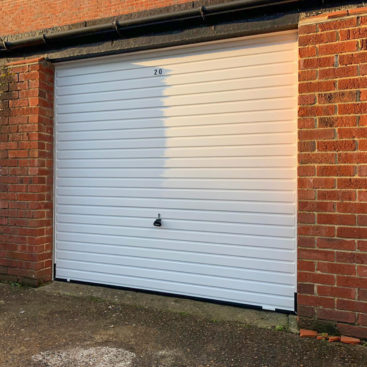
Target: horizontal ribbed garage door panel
(269,196)
(277,231)
(164,111)
(177,162)
(182,100)
(265,79)
(178,173)
(267,86)
(235,151)
(245,206)
(178,272)
(177,72)
(168,256)
(209,143)
(247,241)
(201,261)
(218,141)
(243,184)
(193,290)
(192,215)
(191,131)
(259,46)
(176,233)
(181,124)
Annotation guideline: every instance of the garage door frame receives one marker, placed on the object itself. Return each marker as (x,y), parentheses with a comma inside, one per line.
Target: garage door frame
(55,151)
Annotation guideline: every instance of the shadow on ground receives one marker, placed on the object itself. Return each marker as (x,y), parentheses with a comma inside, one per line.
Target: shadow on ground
(39,329)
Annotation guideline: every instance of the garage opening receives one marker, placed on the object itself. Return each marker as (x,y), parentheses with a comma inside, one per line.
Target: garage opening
(199,139)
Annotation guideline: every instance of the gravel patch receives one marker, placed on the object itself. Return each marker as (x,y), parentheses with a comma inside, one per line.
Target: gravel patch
(91,357)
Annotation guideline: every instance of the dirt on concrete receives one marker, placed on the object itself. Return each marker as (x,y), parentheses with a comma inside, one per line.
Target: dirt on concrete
(39,329)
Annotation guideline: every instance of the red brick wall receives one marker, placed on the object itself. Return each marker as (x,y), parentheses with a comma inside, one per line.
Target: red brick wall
(19,16)
(332,231)
(26,131)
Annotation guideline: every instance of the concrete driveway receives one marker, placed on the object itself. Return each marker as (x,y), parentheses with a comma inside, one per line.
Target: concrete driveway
(66,325)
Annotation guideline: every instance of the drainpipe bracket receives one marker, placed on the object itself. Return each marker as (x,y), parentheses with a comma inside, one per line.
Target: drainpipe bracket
(3,43)
(116,26)
(203,14)
(44,39)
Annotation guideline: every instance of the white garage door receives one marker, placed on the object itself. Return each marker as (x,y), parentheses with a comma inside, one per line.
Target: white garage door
(205,137)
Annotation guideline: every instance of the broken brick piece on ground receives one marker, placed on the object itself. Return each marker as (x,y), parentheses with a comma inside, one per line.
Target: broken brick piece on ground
(349,340)
(334,339)
(319,337)
(304,333)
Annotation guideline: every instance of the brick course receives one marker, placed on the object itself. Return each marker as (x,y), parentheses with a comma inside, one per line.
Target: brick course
(332,137)
(26,173)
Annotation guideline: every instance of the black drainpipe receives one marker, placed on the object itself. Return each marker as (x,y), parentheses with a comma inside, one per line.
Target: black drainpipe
(118,29)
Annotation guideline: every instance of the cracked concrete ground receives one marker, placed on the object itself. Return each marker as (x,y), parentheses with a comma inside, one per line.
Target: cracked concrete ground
(93,327)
